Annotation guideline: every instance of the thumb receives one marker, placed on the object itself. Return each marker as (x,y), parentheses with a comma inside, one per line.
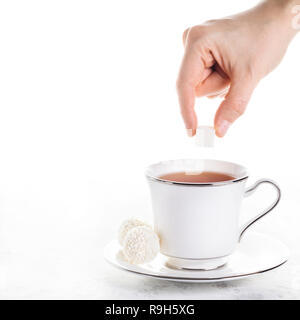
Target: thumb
(233,106)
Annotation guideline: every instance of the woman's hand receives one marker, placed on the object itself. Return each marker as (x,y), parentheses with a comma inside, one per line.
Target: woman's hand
(228,57)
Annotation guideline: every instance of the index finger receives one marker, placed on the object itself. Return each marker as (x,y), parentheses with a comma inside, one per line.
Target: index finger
(190,75)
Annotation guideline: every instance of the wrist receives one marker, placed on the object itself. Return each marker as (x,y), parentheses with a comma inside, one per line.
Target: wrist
(286,13)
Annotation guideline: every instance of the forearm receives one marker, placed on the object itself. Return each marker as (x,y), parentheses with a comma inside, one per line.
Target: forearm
(283,3)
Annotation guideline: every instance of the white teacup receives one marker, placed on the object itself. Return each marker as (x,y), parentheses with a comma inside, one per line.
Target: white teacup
(198,223)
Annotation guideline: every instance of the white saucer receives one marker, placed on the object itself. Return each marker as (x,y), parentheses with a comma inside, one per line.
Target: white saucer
(255,254)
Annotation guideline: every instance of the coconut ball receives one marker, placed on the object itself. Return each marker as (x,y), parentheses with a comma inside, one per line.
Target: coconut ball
(141,245)
(128,225)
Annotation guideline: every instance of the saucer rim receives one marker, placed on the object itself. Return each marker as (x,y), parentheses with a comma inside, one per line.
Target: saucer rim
(198,279)
(183,279)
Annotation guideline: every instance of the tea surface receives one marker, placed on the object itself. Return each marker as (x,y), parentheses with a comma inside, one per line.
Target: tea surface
(197,177)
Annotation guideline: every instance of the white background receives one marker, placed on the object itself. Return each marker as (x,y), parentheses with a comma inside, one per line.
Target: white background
(87,101)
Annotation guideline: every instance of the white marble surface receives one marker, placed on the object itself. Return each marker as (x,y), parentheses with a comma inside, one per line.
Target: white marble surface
(51,247)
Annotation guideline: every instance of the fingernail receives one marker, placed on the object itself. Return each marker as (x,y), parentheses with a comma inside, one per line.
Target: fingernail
(189,132)
(223,127)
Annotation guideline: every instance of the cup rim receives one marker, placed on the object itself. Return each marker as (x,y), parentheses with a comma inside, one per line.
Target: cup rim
(151,177)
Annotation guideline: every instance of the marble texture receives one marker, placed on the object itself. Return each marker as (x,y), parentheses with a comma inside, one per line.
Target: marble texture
(51,247)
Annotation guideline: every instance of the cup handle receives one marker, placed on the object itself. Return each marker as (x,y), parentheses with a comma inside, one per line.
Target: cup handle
(250,191)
